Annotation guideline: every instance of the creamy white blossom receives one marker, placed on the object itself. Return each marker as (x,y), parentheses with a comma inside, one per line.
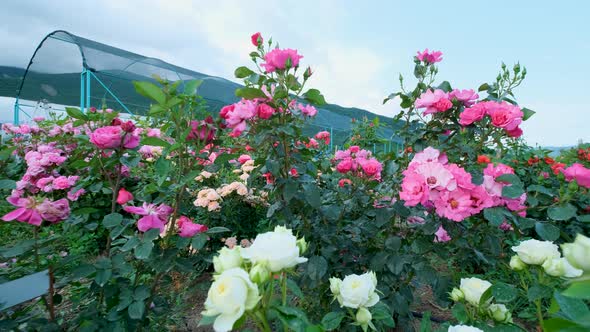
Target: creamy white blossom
(473,289)
(227,259)
(578,252)
(356,291)
(463,328)
(230,295)
(560,267)
(536,252)
(278,250)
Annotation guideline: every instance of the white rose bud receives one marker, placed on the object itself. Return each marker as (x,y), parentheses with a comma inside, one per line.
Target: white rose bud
(227,259)
(463,328)
(358,291)
(536,252)
(230,295)
(500,313)
(473,289)
(335,284)
(457,295)
(259,273)
(277,249)
(578,252)
(302,245)
(560,267)
(363,316)
(516,263)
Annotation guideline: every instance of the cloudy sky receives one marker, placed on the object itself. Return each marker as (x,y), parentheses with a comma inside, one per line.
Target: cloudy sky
(356,48)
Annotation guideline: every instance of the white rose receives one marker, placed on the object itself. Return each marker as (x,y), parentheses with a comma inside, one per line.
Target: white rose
(536,252)
(500,313)
(560,267)
(358,291)
(277,249)
(227,259)
(230,295)
(363,316)
(578,252)
(473,289)
(463,328)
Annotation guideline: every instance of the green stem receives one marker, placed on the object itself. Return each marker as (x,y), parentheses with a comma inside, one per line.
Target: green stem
(284,288)
(263,321)
(540,314)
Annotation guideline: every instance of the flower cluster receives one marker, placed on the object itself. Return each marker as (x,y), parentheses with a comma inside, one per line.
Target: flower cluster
(118,135)
(150,152)
(502,115)
(241,271)
(357,292)
(358,162)
(208,198)
(246,167)
(546,254)
(41,176)
(432,181)
(323,136)
(471,291)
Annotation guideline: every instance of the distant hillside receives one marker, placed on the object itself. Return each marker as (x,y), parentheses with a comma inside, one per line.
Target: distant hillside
(64,89)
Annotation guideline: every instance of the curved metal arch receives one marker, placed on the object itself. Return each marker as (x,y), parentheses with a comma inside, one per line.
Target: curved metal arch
(74,40)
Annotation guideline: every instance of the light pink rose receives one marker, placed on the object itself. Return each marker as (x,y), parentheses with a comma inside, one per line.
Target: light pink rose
(441,235)
(278,59)
(467,97)
(434,101)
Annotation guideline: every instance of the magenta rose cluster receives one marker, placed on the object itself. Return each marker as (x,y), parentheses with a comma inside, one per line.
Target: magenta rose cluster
(502,115)
(41,177)
(118,135)
(236,116)
(447,188)
(358,162)
(436,101)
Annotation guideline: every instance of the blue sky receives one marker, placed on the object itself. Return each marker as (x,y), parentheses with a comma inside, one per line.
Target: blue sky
(357,49)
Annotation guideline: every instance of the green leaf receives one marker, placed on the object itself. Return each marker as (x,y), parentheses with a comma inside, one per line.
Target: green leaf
(381,312)
(527,113)
(154,141)
(509,178)
(250,93)
(578,290)
(503,293)
(190,87)
(292,285)
(547,231)
(445,86)
(150,90)
(562,212)
(483,87)
(495,215)
(162,167)
(142,292)
(243,72)
(290,189)
(513,191)
(136,310)
(538,292)
(584,218)
(76,113)
(219,229)
(312,195)
(131,244)
(144,250)
(540,189)
(199,241)
(112,220)
(18,249)
(151,234)
(574,309)
(332,320)
(103,276)
(460,312)
(7,184)
(83,271)
(317,266)
(315,97)
(563,325)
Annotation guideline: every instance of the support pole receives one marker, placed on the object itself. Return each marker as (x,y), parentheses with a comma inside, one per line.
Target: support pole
(82,79)
(16,112)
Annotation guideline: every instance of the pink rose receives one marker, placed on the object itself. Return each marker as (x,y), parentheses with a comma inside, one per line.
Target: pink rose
(372,167)
(257,39)
(344,182)
(154,132)
(54,211)
(441,235)
(279,59)
(434,101)
(124,196)
(505,115)
(187,228)
(265,111)
(308,110)
(429,56)
(467,97)
(473,114)
(344,166)
(414,190)
(112,137)
(244,158)
(454,205)
(579,173)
